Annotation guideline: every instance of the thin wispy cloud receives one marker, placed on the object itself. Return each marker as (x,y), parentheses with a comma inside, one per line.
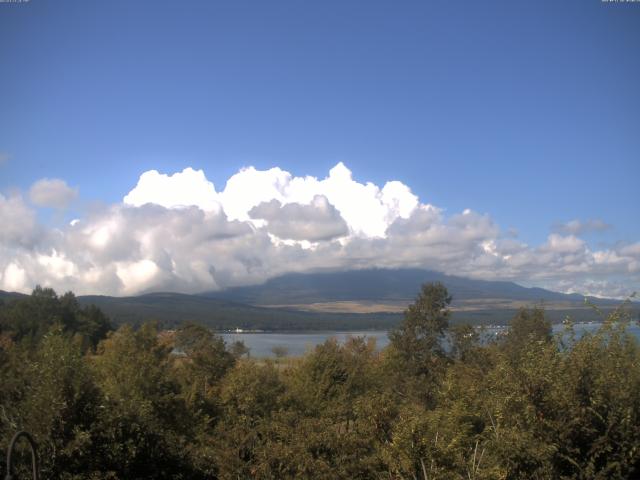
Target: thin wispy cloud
(578,227)
(52,192)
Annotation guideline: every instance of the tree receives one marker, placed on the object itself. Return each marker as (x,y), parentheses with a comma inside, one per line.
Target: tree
(56,400)
(280,351)
(464,342)
(331,377)
(144,425)
(416,347)
(206,360)
(30,318)
(528,326)
(238,349)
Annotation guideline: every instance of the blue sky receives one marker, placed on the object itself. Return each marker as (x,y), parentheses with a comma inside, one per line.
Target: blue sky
(526,111)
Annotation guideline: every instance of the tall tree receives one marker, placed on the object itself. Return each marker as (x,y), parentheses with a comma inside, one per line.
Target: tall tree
(416,347)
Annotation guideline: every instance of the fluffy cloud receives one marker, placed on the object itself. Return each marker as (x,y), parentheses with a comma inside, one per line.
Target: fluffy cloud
(187,188)
(319,221)
(367,209)
(177,232)
(18,223)
(52,192)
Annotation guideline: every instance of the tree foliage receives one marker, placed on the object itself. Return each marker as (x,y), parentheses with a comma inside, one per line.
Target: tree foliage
(416,357)
(437,403)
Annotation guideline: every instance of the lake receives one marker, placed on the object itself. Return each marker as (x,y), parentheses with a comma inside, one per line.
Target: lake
(297,343)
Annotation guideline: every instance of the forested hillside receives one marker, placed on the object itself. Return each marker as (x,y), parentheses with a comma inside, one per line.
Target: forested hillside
(172,309)
(141,403)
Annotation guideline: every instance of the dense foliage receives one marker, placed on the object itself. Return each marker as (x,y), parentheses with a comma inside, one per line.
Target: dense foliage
(438,403)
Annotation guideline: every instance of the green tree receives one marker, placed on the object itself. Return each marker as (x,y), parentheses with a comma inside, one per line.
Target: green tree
(330,378)
(57,401)
(144,424)
(416,357)
(206,360)
(464,341)
(528,326)
(30,318)
(597,435)
(249,394)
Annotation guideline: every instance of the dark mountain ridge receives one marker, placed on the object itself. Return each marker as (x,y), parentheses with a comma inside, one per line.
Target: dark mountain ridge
(384,284)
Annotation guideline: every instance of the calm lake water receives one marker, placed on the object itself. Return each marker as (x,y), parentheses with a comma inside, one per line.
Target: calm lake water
(297,343)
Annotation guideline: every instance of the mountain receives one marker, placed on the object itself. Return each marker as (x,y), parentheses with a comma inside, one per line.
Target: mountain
(391,290)
(8,296)
(383,285)
(351,300)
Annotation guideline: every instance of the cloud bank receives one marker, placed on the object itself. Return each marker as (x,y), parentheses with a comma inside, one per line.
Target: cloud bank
(178,232)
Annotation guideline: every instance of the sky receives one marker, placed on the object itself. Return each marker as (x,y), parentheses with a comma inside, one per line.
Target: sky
(196,145)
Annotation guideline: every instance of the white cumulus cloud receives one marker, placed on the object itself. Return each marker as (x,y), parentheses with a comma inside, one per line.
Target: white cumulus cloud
(176,232)
(367,209)
(183,189)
